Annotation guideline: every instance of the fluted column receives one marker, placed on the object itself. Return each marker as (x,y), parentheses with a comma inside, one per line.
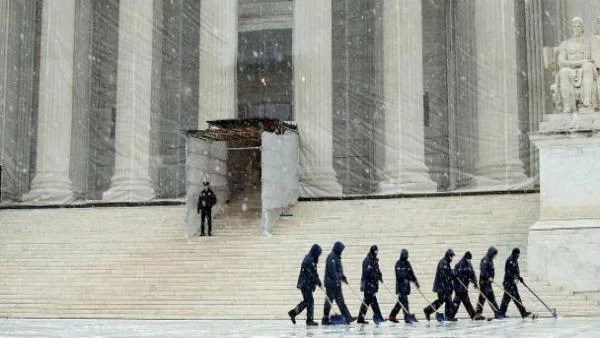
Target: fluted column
(51,182)
(131,181)
(7,187)
(498,166)
(218,60)
(405,170)
(312,52)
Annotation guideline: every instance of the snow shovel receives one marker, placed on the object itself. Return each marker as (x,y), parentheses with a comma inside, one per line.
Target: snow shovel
(438,316)
(409,316)
(552,310)
(334,319)
(375,319)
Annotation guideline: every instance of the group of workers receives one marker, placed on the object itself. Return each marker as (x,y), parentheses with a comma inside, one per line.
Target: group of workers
(447,282)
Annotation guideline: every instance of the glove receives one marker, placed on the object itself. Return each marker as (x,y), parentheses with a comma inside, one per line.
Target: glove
(381,277)
(344,279)
(475,285)
(521,279)
(417,284)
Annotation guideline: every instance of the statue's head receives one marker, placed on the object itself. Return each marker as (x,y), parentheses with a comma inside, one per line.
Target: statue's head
(577,26)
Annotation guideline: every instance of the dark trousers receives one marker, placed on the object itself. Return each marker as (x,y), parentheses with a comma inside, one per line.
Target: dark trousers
(307,303)
(402,299)
(205,214)
(506,299)
(335,294)
(462,297)
(487,291)
(370,300)
(443,298)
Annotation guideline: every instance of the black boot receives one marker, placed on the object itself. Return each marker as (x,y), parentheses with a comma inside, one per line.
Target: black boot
(362,321)
(427,311)
(292,315)
(311,323)
(325,321)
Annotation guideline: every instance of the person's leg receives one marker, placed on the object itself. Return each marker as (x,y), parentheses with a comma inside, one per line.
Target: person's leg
(298,308)
(339,299)
(396,309)
(376,309)
(209,216)
(327,306)
(492,298)
(431,308)
(448,307)
(310,304)
(480,302)
(467,303)
(367,299)
(202,217)
(504,304)
(455,305)
(519,303)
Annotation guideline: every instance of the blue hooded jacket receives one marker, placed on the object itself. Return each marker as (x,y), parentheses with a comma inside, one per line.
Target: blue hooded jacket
(404,274)
(443,281)
(308,278)
(463,270)
(371,274)
(334,272)
(486,267)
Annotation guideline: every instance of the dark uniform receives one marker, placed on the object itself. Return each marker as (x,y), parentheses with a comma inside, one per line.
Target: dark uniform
(443,286)
(512,274)
(369,284)
(308,280)
(206,201)
(464,273)
(334,276)
(486,277)
(404,275)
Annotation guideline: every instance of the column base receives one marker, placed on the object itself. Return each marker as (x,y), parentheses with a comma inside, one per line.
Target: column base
(560,249)
(126,189)
(501,176)
(320,185)
(414,183)
(49,189)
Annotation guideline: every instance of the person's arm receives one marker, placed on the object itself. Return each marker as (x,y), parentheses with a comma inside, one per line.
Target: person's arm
(199,203)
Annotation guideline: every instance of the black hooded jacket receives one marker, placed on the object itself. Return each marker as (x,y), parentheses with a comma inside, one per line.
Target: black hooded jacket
(334,272)
(371,275)
(404,274)
(443,281)
(486,267)
(463,270)
(511,269)
(309,277)
(206,200)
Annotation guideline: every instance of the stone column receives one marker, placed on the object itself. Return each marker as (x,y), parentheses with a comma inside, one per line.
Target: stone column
(51,182)
(218,60)
(404,169)
(498,166)
(131,181)
(7,186)
(312,53)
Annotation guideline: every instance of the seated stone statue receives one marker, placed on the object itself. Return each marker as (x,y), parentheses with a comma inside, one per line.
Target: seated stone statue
(576,77)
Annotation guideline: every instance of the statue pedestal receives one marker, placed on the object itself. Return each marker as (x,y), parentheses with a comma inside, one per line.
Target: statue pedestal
(564,244)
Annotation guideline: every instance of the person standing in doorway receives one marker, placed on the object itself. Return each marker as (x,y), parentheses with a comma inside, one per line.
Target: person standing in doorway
(206,200)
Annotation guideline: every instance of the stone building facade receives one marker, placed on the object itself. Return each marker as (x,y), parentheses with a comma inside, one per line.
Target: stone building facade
(389,96)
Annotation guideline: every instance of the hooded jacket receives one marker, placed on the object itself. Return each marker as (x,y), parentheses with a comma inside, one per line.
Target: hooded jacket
(334,272)
(511,269)
(371,275)
(404,274)
(206,200)
(308,278)
(442,282)
(463,270)
(486,267)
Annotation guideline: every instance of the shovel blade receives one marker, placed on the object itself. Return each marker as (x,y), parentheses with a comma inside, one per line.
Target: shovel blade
(439,317)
